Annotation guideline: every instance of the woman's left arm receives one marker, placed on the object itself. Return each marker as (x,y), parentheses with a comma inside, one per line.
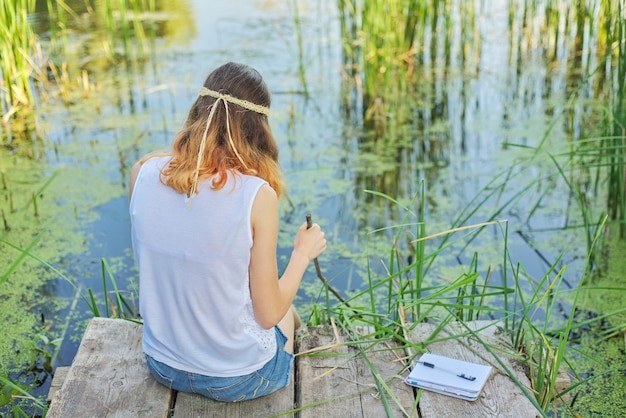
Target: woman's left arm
(272,298)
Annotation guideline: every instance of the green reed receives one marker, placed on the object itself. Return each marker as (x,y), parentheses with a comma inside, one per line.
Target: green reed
(616,146)
(116,25)
(378,42)
(527,306)
(529,314)
(543,348)
(123,21)
(23,57)
(389,29)
(12,392)
(18,57)
(58,12)
(392,302)
(385,44)
(54,21)
(116,305)
(124,26)
(392,56)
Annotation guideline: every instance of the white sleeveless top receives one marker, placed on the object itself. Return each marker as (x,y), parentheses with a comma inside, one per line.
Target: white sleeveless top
(193,260)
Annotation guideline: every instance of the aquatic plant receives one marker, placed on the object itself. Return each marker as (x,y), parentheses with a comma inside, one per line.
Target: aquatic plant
(23,404)
(531,308)
(399,61)
(20,54)
(118,303)
(531,314)
(298,32)
(615,145)
(29,63)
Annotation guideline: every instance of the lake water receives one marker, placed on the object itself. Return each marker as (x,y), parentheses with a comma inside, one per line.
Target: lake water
(480,86)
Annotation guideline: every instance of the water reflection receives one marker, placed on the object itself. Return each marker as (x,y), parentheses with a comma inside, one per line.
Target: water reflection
(478,75)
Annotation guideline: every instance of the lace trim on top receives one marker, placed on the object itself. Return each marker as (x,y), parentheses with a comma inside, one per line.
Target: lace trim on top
(265,337)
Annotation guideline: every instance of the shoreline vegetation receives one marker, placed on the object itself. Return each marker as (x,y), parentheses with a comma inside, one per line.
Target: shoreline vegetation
(552,323)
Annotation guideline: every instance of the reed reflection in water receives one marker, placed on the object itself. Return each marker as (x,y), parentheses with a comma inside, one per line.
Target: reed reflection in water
(472,78)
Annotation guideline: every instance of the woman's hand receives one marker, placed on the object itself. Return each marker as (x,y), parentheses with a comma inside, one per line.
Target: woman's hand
(310,242)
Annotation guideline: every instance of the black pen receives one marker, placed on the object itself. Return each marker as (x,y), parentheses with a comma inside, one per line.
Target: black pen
(462,375)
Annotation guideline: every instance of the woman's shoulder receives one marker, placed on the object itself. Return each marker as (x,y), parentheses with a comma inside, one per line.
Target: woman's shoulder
(156,159)
(151,162)
(265,191)
(248,181)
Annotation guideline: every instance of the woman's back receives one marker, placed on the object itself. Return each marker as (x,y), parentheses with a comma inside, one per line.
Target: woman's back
(208,272)
(193,258)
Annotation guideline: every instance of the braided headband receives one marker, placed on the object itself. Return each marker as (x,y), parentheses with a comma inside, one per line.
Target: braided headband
(264,110)
(224,98)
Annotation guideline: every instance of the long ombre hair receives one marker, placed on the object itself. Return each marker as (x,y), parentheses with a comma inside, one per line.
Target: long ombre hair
(255,153)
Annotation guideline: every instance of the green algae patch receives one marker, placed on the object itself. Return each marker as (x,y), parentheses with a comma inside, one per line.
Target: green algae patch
(33,227)
(50,191)
(604,295)
(602,393)
(44,206)
(603,366)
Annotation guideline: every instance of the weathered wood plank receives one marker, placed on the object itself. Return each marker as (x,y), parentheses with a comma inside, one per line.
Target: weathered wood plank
(109,377)
(338,382)
(385,357)
(501,397)
(60,373)
(196,406)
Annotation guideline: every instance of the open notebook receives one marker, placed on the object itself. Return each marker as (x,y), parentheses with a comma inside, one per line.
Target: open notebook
(448,376)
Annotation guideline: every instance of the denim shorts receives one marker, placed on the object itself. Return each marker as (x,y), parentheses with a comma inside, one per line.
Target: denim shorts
(274,375)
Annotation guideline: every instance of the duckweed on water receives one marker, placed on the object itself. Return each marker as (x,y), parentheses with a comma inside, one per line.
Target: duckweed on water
(603,396)
(22,278)
(608,342)
(44,212)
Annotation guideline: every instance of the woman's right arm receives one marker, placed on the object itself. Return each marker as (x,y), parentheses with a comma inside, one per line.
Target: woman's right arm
(271,298)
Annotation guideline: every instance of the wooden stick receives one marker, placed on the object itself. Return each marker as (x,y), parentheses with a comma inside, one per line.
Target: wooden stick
(309,223)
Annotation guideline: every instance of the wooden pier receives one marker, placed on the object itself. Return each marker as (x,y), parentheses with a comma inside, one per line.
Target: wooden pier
(334,376)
